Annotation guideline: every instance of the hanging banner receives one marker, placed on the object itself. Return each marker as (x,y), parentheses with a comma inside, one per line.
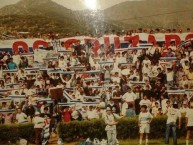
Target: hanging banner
(28,45)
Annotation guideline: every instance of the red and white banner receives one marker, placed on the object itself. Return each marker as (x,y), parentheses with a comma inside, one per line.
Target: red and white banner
(26,44)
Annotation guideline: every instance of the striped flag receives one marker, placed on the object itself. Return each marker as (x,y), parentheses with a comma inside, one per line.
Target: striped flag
(168,58)
(175,92)
(66,104)
(7,110)
(10,71)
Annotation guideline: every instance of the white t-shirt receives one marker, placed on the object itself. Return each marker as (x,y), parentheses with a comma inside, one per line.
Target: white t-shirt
(164,104)
(118,59)
(96,65)
(38,122)
(30,92)
(173,115)
(154,111)
(173,48)
(189,115)
(92,114)
(170,76)
(123,59)
(75,114)
(16,59)
(39,83)
(146,62)
(146,70)
(129,97)
(116,79)
(62,64)
(124,108)
(21,118)
(144,117)
(109,119)
(146,102)
(153,104)
(152,50)
(183,110)
(135,57)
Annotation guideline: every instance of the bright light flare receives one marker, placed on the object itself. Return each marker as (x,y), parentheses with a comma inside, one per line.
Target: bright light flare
(91,4)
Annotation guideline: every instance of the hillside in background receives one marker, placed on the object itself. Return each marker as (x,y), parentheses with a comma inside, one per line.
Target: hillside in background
(43,16)
(153,13)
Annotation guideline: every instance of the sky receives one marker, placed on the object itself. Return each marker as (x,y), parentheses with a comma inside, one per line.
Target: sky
(76,4)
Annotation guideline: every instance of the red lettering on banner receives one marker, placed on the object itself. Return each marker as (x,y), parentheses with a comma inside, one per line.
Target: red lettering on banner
(117,42)
(133,39)
(69,42)
(151,39)
(38,43)
(170,38)
(22,44)
(106,43)
(189,36)
(96,47)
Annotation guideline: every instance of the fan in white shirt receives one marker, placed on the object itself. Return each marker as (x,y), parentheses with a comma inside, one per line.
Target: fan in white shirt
(146,102)
(116,78)
(182,61)
(173,47)
(184,83)
(146,69)
(92,113)
(66,80)
(39,82)
(173,114)
(30,92)
(39,55)
(186,67)
(151,50)
(145,77)
(123,58)
(21,117)
(154,102)
(62,62)
(189,121)
(144,121)
(129,96)
(155,109)
(163,103)
(169,75)
(146,61)
(16,58)
(74,61)
(118,58)
(95,64)
(135,56)
(109,59)
(132,75)
(184,109)
(154,68)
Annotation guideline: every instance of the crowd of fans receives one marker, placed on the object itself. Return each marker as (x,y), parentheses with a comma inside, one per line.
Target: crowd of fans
(76,85)
(28,35)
